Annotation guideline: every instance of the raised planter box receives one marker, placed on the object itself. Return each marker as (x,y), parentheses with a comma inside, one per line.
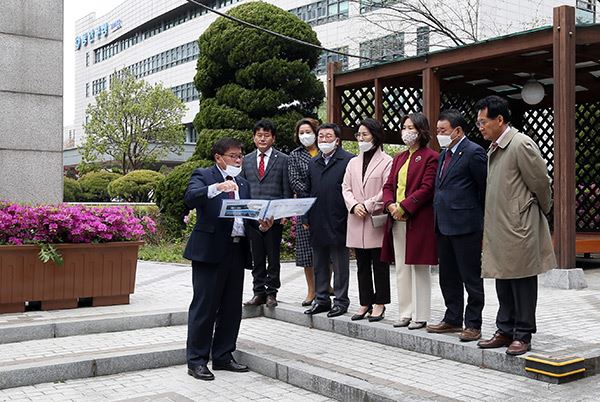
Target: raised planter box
(104,272)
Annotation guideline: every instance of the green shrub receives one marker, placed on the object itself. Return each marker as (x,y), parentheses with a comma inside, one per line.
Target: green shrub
(71,190)
(170,192)
(94,186)
(135,186)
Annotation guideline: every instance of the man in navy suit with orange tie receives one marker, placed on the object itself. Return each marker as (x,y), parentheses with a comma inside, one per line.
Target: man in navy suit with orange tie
(459,204)
(219,252)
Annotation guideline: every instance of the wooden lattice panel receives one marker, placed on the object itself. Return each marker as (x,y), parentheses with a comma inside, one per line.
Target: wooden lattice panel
(587,167)
(467,107)
(397,102)
(357,103)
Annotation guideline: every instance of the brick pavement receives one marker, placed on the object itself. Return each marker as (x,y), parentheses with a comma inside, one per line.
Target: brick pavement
(424,376)
(566,318)
(165,384)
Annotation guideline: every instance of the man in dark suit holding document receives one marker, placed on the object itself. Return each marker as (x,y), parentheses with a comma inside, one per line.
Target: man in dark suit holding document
(219,251)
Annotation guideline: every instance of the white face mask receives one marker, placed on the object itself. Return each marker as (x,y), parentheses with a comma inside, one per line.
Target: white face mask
(444,140)
(364,146)
(307,139)
(327,147)
(410,137)
(233,170)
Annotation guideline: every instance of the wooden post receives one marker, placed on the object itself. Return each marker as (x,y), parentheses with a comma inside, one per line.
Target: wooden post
(334,111)
(564,135)
(431,102)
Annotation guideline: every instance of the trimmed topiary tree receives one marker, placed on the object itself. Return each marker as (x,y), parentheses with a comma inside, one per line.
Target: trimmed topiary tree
(94,186)
(245,75)
(136,186)
(71,190)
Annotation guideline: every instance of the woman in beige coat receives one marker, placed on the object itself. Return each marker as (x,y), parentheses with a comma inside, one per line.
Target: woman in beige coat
(362,190)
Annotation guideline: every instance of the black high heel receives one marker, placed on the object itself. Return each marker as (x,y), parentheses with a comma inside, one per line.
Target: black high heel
(357,317)
(375,318)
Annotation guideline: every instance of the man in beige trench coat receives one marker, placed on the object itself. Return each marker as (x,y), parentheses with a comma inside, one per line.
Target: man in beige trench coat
(517,246)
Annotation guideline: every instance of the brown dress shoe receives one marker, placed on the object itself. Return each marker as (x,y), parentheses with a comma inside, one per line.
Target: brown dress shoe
(271,301)
(442,328)
(470,334)
(518,347)
(499,340)
(255,301)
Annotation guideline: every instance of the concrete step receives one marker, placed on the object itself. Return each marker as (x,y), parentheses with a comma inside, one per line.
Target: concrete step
(446,346)
(22,330)
(323,362)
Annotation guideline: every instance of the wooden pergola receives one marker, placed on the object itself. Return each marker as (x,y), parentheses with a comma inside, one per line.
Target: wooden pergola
(564,57)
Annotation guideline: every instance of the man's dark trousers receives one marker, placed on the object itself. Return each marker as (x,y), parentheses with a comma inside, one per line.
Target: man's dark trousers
(217,303)
(460,262)
(516,313)
(324,257)
(265,247)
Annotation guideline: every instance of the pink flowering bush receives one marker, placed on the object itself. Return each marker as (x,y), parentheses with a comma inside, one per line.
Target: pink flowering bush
(51,224)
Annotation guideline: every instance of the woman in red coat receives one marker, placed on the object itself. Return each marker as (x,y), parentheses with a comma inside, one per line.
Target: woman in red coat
(410,235)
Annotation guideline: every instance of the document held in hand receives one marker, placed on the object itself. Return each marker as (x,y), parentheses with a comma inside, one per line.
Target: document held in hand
(265,209)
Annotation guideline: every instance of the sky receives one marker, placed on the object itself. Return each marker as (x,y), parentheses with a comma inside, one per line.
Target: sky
(74,10)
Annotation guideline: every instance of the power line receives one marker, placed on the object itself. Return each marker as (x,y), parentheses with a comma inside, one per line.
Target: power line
(285,37)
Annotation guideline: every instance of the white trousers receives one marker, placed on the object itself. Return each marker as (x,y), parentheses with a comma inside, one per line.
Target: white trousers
(413,282)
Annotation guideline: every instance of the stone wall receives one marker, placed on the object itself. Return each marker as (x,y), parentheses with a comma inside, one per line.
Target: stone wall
(31,104)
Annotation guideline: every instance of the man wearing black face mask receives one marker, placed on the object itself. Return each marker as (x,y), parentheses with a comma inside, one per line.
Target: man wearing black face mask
(219,253)
(458,204)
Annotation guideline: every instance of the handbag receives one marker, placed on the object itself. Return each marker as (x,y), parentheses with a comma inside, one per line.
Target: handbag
(378,220)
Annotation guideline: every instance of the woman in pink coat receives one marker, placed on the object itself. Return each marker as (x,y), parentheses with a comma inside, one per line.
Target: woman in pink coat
(362,189)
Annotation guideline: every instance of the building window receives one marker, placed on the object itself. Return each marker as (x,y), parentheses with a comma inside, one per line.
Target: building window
(385,48)
(422,40)
(98,86)
(87,59)
(327,57)
(184,14)
(87,89)
(370,5)
(321,12)
(585,11)
(186,92)
(191,135)
(167,59)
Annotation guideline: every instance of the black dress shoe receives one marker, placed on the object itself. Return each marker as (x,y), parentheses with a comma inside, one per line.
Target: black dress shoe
(317,308)
(256,301)
(271,301)
(375,318)
(232,365)
(357,316)
(307,302)
(336,311)
(201,373)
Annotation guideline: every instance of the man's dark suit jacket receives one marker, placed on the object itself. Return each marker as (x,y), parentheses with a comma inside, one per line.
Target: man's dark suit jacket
(459,199)
(211,236)
(328,216)
(275,183)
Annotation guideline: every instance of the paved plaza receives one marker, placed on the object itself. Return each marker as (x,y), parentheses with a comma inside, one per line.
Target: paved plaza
(567,320)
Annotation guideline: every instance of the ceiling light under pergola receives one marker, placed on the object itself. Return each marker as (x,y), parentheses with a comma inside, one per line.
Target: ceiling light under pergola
(532,92)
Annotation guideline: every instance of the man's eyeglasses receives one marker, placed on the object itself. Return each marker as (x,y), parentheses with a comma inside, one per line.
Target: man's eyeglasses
(235,156)
(482,122)
(326,136)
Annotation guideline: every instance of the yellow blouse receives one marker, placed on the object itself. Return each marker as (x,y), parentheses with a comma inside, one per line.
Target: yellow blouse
(402,178)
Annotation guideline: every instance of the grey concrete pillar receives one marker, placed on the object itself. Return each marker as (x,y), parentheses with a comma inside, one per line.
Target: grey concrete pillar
(31,86)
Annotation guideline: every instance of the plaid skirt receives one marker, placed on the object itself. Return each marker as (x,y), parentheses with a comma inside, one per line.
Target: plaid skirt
(303,247)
